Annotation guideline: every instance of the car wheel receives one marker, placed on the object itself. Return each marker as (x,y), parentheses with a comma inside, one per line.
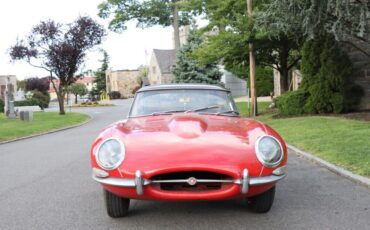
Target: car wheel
(263,202)
(116,206)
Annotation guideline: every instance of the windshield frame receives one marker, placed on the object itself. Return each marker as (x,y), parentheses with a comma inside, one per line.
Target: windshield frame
(202,112)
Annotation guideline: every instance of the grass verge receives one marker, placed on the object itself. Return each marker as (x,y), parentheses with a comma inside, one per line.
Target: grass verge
(341,141)
(42,122)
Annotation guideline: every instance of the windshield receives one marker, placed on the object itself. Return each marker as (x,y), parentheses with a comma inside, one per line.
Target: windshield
(159,102)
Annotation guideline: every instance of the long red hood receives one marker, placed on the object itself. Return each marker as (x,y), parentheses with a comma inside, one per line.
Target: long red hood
(159,144)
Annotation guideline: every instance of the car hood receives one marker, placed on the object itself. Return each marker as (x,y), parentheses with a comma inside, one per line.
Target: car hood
(156,143)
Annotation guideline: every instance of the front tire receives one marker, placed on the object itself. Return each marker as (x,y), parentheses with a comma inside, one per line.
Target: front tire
(263,202)
(116,206)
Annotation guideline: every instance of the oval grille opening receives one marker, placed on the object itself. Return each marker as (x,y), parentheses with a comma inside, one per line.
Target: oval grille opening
(191,181)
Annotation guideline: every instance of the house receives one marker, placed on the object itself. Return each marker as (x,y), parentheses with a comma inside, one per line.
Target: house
(124,81)
(160,67)
(236,85)
(88,81)
(11,80)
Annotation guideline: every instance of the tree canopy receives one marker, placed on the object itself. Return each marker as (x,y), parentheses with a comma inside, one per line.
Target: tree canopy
(59,49)
(77,89)
(100,81)
(344,19)
(146,13)
(229,33)
(189,70)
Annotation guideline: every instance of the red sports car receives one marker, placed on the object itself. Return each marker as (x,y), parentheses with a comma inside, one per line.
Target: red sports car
(187,142)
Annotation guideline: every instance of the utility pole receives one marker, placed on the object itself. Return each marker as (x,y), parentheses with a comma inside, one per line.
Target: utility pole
(252,64)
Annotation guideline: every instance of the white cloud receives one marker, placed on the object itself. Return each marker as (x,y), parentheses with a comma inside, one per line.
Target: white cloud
(126,50)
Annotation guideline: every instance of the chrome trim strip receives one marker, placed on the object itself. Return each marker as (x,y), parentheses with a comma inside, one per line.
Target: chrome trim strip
(186,180)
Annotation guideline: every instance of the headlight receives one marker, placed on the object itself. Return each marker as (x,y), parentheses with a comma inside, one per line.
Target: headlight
(110,154)
(269,151)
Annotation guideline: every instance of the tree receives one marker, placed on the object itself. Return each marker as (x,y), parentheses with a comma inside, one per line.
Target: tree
(189,70)
(39,84)
(100,80)
(345,20)
(77,89)
(146,13)
(59,49)
(231,32)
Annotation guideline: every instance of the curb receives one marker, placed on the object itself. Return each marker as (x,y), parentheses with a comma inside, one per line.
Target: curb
(48,132)
(338,170)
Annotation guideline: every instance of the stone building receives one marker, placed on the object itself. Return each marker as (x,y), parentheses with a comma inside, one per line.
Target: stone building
(123,81)
(160,67)
(12,83)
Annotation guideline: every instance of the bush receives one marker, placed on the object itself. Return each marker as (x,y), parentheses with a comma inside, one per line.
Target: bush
(326,73)
(292,103)
(2,104)
(264,81)
(41,99)
(28,102)
(114,95)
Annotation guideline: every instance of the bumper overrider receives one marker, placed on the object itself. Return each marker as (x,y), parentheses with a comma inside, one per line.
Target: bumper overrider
(139,182)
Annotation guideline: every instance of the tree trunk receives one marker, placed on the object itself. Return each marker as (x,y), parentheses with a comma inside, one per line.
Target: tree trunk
(61,96)
(76,98)
(175,25)
(284,71)
(252,66)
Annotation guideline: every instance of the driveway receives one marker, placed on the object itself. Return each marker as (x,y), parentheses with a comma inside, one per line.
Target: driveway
(45,183)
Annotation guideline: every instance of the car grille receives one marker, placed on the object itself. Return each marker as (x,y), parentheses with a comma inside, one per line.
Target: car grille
(191,181)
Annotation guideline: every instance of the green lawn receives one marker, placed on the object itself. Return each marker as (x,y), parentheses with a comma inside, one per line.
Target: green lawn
(42,122)
(338,140)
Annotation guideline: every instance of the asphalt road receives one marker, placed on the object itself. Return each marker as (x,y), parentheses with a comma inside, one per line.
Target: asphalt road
(45,183)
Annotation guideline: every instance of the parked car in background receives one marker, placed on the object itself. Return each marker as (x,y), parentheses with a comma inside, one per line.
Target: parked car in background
(187,142)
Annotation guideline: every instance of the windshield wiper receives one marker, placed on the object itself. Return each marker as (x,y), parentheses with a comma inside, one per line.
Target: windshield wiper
(235,113)
(203,108)
(166,112)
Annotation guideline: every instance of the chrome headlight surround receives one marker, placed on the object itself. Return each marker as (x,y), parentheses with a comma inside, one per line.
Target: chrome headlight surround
(274,160)
(106,153)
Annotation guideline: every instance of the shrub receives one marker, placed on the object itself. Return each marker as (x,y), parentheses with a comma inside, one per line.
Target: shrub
(28,102)
(2,104)
(41,99)
(292,103)
(264,81)
(114,95)
(326,73)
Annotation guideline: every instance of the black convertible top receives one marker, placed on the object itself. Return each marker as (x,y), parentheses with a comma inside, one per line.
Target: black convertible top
(181,86)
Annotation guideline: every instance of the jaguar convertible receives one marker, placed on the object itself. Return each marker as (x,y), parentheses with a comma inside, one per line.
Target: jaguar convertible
(187,142)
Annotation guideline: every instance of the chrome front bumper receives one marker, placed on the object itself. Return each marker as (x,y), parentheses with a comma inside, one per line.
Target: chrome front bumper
(139,182)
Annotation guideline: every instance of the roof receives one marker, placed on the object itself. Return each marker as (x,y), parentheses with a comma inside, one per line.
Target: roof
(165,59)
(86,79)
(181,86)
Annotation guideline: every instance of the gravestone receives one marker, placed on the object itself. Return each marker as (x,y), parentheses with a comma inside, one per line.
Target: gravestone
(26,115)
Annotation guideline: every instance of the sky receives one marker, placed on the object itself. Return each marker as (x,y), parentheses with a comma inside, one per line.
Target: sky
(126,50)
